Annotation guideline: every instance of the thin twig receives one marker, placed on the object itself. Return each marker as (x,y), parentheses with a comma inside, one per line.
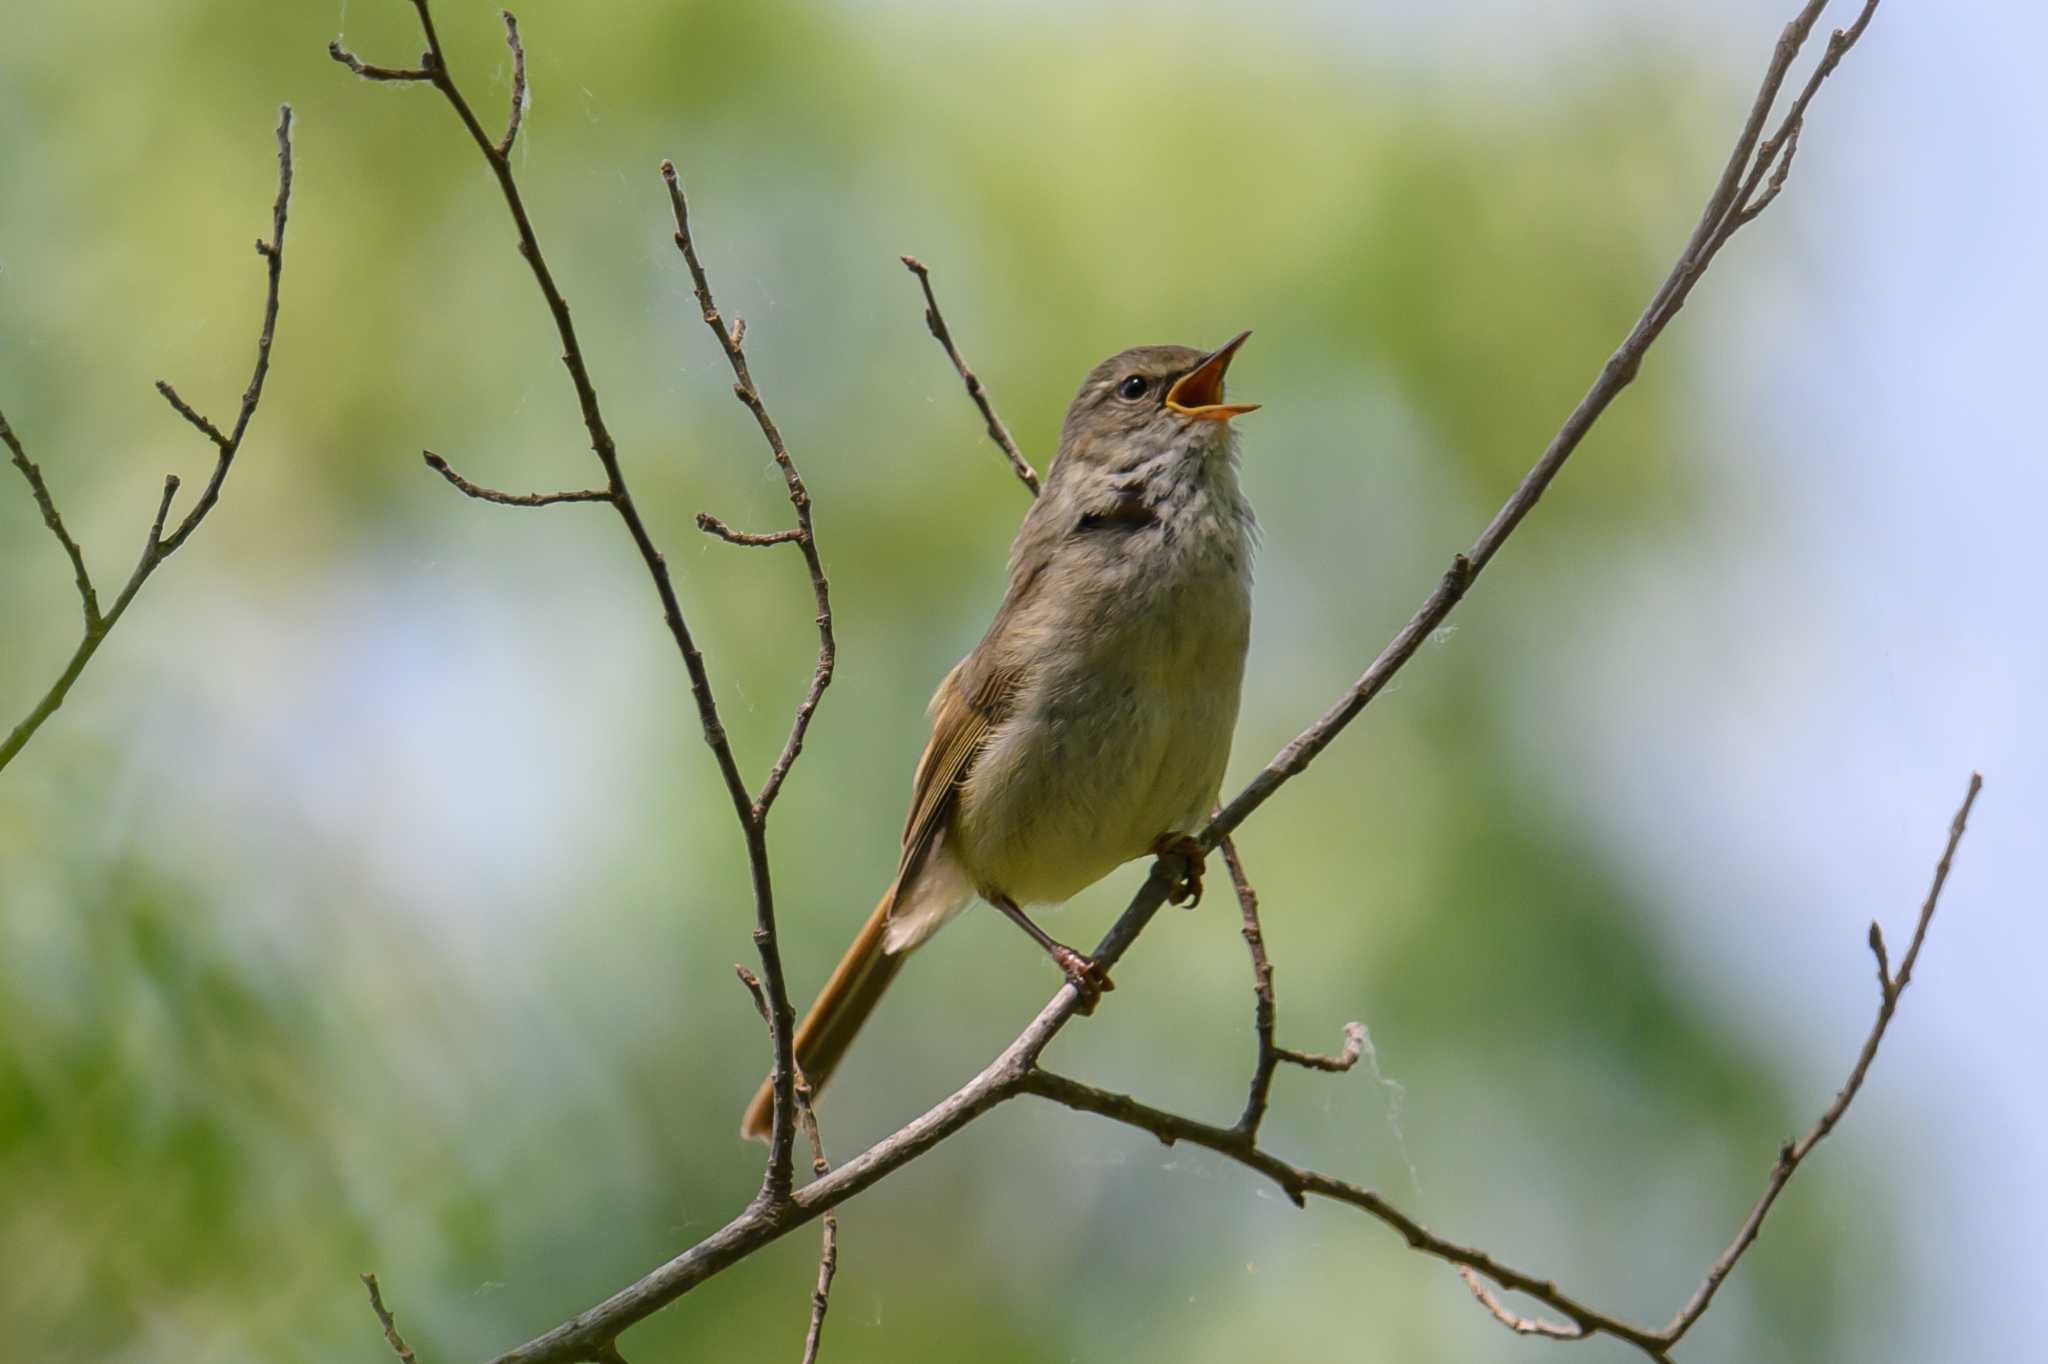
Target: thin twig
(378,73)
(753,984)
(711,525)
(1354,1049)
(483,494)
(997,432)
(1299,1184)
(272,253)
(160,546)
(88,599)
(1719,221)
(518,84)
(163,514)
(1016,1072)
(828,1247)
(385,1320)
(1792,1153)
(730,340)
(1264,1010)
(192,414)
(1520,1325)
(828,1265)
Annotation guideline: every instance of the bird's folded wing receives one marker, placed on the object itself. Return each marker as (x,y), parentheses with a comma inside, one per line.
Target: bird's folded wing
(960,726)
(975,697)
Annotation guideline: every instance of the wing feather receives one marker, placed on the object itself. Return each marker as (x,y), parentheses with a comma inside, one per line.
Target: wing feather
(976,697)
(960,727)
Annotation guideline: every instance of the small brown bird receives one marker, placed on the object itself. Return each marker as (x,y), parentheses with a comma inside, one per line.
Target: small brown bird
(1092,723)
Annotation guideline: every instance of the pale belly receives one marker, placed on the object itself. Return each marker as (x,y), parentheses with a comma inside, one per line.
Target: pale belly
(1125,743)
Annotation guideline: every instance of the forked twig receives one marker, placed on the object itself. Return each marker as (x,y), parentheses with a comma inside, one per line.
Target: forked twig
(1265,1010)
(1792,1153)
(750,810)
(731,340)
(159,546)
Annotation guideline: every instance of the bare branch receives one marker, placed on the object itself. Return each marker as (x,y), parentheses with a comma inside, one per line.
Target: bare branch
(272,253)
(711,525)
(159,546)
(1264,1010)
(88,599)
(804,537)
(1789,1157)
(1720,220)
(378,73)
(192,414)
(1777,179)
(1016,1072)
(753,984)
(1299,1184)
(997,432)
(1520,1325)
(1239,1143)
(807,1119)
(828,1248)
(828,1265)
(483,494)
(512,120)
(1354,1048)
(163,513)
(385,1320)
(750,811)
(1884,965)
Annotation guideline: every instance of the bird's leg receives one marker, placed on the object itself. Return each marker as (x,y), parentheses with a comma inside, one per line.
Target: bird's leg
(1082,972)
(1183,846)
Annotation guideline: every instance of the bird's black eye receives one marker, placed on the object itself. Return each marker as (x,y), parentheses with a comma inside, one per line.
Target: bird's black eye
(1131,389)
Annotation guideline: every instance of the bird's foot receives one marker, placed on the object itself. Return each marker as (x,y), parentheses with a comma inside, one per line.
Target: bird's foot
(1183,846)
(1087,977)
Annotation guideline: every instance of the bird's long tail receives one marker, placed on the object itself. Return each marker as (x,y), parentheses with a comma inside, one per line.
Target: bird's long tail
(842,1006)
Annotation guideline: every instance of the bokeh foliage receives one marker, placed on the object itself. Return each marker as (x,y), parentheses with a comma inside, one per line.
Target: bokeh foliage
(371,903)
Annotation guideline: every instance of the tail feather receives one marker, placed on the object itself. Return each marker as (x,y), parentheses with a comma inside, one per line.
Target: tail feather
(842,1006)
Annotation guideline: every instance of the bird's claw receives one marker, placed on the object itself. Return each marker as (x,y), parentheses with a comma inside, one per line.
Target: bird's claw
(1183,846)
(1088,978)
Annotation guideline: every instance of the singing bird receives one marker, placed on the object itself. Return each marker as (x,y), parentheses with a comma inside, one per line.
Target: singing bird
(1091,724)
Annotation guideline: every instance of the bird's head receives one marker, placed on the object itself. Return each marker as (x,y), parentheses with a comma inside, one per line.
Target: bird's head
(1151,400)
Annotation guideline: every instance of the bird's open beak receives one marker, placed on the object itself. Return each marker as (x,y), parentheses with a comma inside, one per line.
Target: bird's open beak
(1199,392)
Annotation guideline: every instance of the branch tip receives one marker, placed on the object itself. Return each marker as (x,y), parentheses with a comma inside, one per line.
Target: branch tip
(753,984)
(504,499)
(1520,1325)
(159,547)
(371,72)
(387,1321)
(935,322)
(1884,965)
(518,112)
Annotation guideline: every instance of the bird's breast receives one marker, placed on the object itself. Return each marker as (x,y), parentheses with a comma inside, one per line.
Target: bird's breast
(1121,725)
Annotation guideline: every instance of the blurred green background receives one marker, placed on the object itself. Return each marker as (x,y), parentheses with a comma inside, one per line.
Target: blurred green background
(372,903)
